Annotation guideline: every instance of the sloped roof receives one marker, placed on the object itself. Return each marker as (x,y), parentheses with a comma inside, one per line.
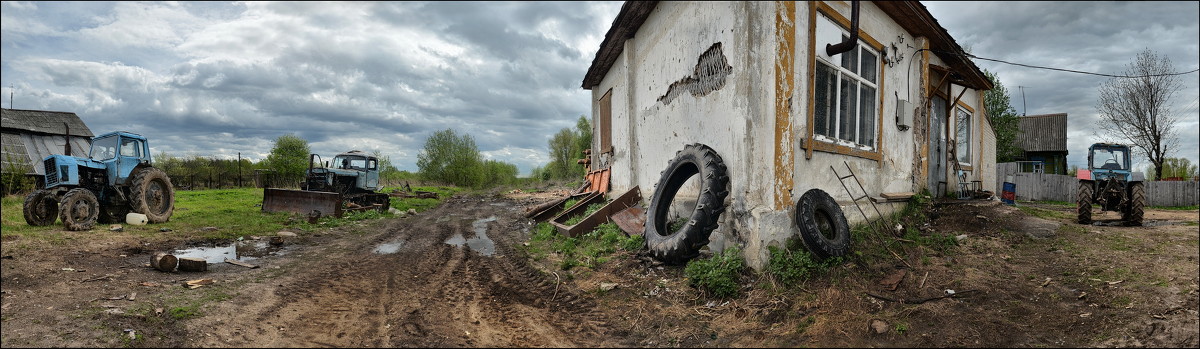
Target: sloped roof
(44,121)
(1047,132)
(910,15)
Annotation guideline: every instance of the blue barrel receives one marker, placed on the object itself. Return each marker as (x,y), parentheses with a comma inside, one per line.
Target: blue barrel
(1009,194)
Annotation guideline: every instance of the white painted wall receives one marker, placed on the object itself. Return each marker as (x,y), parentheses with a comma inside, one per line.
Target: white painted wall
(738,120)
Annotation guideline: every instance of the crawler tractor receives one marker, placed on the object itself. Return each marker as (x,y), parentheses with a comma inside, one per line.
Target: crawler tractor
(350,184)
(1110,184)
(116,178)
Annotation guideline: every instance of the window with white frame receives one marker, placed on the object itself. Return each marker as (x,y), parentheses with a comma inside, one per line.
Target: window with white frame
(963,147)
(845,90)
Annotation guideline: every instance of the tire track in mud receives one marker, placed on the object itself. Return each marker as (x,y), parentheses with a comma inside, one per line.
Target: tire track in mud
(430,293)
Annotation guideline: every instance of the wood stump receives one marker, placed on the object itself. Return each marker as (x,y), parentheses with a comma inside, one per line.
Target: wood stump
(193,264)
(164,262)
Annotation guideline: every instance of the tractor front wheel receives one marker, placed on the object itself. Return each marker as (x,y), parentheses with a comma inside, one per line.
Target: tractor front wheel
(152,195)
(40,208)
(1137,205)
(1084,203)
(80,209)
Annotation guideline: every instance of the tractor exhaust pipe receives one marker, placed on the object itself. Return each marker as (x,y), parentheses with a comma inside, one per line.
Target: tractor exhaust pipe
(849,43)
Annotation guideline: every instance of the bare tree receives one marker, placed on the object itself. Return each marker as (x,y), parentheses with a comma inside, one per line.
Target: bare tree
(1137,109)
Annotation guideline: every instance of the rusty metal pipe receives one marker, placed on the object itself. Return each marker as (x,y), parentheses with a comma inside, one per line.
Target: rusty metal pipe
(850,43)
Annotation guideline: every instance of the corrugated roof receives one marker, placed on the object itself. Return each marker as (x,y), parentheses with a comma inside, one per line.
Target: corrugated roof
(1046,132)
(44,121)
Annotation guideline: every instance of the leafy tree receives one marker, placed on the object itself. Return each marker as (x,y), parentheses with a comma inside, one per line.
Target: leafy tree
(562,158)
(1004,118)
(450,158)
(1176,168)
(498,173)
(289,157)
(1137,109)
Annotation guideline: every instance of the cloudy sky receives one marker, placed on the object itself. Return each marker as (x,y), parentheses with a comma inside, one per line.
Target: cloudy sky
(214,79)
(1098,37)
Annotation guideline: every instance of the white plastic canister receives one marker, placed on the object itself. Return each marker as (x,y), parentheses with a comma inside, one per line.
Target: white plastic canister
(135,218)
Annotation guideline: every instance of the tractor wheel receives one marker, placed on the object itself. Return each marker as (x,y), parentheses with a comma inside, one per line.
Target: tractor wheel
(1084,203)
(40,208)
(1137,205)
(684,243)
(823,226)
(113,214)
(152,195)
(80,209)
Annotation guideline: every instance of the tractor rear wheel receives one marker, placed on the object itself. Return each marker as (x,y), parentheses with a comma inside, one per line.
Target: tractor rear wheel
(40,208)
(1084,203)
(1137,205)
(80,209)
(152,195)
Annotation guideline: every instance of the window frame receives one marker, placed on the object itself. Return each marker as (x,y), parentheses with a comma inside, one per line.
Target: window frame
(970,112)
(814,142)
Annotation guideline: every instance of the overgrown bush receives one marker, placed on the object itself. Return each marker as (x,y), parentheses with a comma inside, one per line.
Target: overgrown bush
(718,275)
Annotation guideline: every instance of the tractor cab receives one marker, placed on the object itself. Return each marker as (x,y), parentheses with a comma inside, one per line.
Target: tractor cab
(1109,160)
(120,153)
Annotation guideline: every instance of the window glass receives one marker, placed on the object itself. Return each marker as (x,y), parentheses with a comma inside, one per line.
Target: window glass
(845,90)
(963,147)
(823,94)
(104,148)
(129,147)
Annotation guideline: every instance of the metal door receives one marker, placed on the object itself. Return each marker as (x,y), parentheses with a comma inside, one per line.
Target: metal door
(937,146)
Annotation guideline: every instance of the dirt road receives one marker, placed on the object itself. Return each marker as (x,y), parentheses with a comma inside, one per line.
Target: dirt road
(453,276)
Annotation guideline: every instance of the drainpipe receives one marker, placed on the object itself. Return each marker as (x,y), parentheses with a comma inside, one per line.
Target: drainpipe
(67,147)
(848,44)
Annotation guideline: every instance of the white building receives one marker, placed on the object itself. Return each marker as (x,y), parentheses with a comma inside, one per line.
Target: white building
(754,81)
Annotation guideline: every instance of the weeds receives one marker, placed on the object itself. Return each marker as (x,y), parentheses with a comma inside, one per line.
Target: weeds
(588,250)
(795,264)
(717,275)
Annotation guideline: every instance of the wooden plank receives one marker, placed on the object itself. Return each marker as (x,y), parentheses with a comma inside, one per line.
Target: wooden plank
(240,263)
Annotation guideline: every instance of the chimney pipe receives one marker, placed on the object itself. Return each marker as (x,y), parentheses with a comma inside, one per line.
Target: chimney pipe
(849,43)
(67,147)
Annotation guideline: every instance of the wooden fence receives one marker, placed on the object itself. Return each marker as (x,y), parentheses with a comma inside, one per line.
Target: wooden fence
(1052,187)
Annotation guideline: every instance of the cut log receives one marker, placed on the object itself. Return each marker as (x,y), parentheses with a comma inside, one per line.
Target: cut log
(193,264)
(903,195)
(164,262)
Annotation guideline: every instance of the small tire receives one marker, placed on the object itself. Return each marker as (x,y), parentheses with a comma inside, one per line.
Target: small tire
(151,194)
(80,209)
(40,208)
(679,246)
(823,226)
(1137,205)
(1083,203)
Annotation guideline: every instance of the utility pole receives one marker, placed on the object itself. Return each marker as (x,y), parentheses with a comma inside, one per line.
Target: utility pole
(1023,106)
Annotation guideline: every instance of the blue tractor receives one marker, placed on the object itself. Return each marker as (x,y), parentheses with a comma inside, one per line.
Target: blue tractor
(116,178)
(1110,184)
(348,184)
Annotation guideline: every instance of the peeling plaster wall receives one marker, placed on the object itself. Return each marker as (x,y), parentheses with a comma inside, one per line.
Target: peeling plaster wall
(666,95)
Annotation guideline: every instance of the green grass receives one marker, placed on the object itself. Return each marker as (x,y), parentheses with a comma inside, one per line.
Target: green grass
(232,212)
(1177,208)
(586,212)
(719,275)
(588,250)
(794,264)
(1042,213)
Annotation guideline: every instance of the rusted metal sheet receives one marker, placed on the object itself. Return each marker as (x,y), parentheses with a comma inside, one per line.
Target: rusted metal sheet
(303,202)
(601,216)
(598,180)
(631,220)
(549,211)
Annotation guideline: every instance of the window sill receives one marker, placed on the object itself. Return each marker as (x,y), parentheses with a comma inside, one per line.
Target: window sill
(826,147)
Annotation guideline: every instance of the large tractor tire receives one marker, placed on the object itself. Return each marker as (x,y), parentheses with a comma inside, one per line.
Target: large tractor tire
(1137,205)
(151,194)
(80,209)
(683,244)
(823,226)
(1084,203)
(40,208)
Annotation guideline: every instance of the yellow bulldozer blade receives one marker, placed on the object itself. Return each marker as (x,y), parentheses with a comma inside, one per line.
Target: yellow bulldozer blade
(303,202)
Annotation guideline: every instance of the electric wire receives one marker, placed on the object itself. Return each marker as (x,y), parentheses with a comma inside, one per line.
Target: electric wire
(1068,70)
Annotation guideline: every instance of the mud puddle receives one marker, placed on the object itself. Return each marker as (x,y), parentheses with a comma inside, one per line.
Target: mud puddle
(240,250)
(481,243)
(389,247)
